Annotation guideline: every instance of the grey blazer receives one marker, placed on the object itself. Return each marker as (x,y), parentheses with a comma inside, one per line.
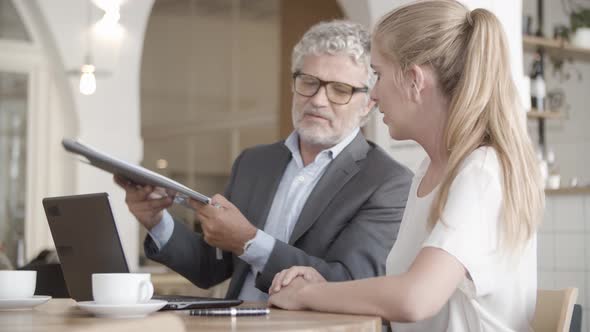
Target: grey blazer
(345,230)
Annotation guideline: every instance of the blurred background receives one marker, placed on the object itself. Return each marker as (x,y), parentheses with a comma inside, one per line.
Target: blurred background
(182,86)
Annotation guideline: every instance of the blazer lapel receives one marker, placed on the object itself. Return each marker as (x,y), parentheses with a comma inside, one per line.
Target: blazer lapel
(266,188)
(338,173)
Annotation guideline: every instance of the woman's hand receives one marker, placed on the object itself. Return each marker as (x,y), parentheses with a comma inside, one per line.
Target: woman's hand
(284,278)
(289,297)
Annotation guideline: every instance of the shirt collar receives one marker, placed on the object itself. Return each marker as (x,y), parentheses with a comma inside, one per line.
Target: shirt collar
(292,143)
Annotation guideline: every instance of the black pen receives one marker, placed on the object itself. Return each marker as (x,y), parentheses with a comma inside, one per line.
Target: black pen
(230,312)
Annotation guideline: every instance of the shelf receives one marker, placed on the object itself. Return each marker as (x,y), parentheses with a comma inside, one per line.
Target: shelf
(534,114)
(556,47)
(569,191)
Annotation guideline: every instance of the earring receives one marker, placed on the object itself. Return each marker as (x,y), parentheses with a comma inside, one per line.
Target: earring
(415,87)
(415,90)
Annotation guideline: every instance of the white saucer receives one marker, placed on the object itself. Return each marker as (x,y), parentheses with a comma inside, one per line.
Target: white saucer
(122,310)
(26,303)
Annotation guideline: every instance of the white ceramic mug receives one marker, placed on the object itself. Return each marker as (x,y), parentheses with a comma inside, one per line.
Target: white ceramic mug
(17,284)
(121,288)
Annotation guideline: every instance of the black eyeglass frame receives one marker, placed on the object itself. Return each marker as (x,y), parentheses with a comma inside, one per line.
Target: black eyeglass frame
(354,89)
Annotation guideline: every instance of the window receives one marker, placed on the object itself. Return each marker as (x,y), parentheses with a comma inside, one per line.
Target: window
(14,99)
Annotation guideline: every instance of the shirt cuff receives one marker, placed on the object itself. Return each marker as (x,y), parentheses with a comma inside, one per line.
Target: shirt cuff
(162,232)
(259,251)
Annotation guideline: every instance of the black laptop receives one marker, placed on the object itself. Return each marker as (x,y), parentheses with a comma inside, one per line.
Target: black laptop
(87,242)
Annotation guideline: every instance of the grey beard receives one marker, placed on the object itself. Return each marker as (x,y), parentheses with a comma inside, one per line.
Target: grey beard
(318,140)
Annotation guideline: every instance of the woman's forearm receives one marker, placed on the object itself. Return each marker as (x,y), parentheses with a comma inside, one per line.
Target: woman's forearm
(415,295)
(386,297)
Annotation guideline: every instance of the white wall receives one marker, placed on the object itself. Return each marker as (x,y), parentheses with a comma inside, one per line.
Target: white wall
(109,119)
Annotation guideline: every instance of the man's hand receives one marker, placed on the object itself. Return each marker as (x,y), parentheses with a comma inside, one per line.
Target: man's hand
(224,226)
(289,297)
(284,278)
(145,203)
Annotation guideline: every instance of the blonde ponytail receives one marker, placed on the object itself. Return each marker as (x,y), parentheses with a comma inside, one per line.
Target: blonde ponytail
(469,53)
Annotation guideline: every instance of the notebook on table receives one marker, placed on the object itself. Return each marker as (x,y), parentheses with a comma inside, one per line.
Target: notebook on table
(87,242)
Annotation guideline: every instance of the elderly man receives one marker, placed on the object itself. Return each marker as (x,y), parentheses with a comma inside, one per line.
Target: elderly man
(325,197)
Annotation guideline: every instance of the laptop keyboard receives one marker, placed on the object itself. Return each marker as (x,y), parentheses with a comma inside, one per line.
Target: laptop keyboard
(181,302)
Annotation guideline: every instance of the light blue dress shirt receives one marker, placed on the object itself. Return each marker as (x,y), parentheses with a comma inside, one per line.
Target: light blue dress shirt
(297,183)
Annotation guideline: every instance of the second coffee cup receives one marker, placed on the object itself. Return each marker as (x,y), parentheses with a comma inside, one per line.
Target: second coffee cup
(121,288)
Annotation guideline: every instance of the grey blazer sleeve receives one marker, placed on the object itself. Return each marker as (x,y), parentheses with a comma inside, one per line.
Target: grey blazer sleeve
(188,254)
(360,249)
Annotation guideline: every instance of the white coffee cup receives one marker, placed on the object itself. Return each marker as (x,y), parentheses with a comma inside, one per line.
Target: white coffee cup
(121,288)
(17,284)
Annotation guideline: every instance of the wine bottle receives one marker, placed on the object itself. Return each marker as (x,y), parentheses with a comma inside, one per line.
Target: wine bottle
(538,88)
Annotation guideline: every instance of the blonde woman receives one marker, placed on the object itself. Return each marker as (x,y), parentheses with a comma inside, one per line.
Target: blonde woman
(465,257)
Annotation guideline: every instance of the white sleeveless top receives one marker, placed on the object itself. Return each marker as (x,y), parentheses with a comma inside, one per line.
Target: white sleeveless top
(502,295)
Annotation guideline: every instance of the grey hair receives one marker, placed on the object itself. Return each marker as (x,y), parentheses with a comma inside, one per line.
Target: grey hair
(337,37)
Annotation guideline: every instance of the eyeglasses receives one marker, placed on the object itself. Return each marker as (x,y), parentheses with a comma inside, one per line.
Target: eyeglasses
(337,92)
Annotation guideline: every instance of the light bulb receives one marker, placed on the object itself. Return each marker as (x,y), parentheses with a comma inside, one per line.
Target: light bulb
(87,80)
(161,163)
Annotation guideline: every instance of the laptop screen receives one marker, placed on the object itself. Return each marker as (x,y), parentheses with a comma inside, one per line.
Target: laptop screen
(86,240)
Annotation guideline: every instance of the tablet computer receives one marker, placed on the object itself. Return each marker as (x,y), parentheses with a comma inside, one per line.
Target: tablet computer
(134,173)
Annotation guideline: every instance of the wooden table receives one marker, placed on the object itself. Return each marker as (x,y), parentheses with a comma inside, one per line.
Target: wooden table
(64,315)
